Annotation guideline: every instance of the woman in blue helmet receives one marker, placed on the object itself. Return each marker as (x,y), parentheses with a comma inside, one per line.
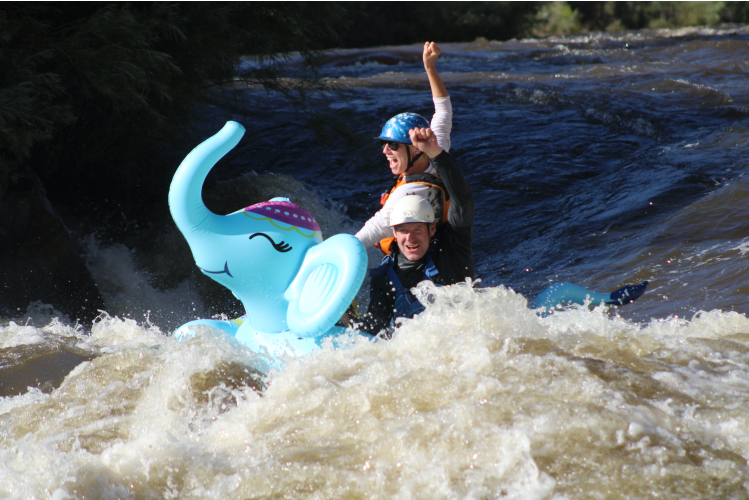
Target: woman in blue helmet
(415,173)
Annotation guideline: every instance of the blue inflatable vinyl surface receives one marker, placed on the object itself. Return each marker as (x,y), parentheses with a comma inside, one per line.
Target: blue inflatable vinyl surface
(293,285)
(560,294)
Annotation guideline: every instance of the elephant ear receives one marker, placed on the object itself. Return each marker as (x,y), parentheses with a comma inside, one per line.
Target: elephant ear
(327,283)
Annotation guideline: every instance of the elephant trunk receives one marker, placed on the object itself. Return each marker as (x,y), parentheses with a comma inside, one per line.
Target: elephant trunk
(185,193)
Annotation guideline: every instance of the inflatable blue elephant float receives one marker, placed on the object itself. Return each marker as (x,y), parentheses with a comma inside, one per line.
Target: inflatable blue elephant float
(294,286)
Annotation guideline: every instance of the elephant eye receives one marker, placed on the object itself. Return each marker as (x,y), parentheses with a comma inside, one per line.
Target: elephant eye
(282,247)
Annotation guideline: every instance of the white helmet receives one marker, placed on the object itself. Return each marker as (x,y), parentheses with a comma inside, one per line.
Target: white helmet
(411,208)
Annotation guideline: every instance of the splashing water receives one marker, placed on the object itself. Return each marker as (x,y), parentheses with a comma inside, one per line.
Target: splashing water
(602,160)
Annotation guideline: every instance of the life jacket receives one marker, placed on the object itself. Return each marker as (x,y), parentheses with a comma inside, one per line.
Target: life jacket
(430,180)
(406,305)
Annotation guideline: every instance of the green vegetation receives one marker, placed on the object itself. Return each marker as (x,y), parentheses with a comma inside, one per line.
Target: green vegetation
(86,88)
(617,16)
(88,85)
(385,23)
(556,18)
(83,85)
(89,95)
(388,23)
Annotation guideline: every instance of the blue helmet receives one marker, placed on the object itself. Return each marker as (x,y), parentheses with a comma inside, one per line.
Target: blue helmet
(396,129)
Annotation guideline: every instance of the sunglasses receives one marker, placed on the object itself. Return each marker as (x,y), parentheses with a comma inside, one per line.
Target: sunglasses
(392,145)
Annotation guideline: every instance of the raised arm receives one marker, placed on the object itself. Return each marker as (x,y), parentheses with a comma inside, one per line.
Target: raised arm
(461,209)
(442,121)
(430,56)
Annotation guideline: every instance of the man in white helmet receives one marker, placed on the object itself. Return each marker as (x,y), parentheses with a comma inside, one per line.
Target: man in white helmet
(421,250)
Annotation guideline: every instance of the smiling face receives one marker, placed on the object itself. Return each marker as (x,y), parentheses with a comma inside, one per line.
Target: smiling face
(398,160)
(256,252)
(256,257)
(413,238)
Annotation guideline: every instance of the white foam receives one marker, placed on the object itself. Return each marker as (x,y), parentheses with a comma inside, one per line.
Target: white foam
(476,398)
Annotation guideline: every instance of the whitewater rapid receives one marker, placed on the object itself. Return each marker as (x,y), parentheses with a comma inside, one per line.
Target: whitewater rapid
(601,159)
(477,398)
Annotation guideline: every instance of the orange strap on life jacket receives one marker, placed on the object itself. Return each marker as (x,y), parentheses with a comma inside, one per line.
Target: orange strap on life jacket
(384,198)
(384,245)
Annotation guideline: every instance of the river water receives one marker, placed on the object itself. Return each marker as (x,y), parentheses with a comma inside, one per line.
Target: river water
(601,159)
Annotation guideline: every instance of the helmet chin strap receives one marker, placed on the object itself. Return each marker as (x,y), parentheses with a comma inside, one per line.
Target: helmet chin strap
(410,160)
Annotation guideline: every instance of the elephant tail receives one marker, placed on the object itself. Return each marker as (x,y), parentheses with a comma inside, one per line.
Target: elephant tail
(569,293)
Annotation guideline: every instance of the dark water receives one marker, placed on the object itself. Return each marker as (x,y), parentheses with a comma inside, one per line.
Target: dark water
(600,159)
(590,157)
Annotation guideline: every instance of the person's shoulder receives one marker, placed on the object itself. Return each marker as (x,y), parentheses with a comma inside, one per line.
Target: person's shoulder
(448,235)
(430,169)
(409,188)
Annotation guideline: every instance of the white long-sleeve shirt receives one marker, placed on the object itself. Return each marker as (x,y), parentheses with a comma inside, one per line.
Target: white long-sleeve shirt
(378,227)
